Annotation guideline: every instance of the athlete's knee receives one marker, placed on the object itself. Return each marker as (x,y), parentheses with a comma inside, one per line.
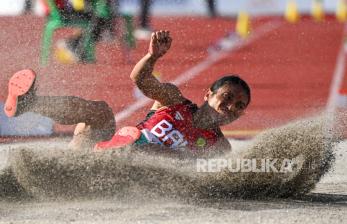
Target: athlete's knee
(103,117)
(106,110)
(107,122)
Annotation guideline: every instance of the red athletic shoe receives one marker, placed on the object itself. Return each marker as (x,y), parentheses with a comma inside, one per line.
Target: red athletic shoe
(21,92)
(123,137)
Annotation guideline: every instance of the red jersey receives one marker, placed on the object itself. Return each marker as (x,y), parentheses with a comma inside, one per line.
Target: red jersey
(173,127)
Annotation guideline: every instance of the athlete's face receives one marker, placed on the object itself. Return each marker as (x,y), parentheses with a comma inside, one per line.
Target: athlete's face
(227,104)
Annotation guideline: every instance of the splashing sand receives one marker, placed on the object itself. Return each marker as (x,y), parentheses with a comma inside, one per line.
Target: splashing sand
(131,172)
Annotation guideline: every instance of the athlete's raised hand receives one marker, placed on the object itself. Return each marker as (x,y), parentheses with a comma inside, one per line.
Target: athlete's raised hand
(164,93)
(160,43)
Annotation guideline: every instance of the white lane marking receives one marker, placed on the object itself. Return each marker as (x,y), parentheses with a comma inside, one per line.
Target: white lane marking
(207,62)
(338,75)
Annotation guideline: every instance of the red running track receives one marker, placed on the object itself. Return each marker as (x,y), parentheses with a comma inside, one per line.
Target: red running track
(289,69)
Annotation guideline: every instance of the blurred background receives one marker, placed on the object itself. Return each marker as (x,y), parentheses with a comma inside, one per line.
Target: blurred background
(292,53)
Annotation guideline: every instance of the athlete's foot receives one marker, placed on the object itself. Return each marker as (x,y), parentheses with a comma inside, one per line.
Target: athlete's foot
(21,93)
(83,138)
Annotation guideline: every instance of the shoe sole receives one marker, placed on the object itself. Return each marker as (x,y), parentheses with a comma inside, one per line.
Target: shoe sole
(19,84)
(123,137)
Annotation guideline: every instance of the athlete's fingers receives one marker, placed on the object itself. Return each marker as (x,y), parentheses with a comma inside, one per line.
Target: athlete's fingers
(169,40)
(165,33)
(165,36)
(153,36)
(168,35)
(161,36)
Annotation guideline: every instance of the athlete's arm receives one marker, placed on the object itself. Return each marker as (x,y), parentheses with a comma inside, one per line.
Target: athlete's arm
(165,93)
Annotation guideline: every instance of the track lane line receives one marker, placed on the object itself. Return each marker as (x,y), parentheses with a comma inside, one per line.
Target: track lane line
(338,75)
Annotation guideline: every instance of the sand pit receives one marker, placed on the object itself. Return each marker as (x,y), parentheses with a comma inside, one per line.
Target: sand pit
(49,170)
(132,186)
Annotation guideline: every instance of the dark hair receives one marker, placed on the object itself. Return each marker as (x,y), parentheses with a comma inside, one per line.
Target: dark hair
(232,79)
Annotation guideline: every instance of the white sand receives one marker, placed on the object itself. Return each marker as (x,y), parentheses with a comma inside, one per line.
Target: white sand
(326,203)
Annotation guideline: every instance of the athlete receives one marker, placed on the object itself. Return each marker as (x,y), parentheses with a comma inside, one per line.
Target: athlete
(99,15)
(174,121)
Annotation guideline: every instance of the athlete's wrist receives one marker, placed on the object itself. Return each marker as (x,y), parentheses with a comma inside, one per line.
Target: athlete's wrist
(152,57)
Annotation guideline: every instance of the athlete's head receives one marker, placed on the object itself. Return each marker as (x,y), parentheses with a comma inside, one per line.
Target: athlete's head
(228,96)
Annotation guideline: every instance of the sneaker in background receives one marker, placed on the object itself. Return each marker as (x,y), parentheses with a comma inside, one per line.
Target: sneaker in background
(65,54)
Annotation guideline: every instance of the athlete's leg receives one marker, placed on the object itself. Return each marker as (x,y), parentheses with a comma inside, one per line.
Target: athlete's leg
(145,13)
(69,110)
(97,117)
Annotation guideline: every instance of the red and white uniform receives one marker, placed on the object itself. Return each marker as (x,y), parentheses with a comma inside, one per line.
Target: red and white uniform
(173,127)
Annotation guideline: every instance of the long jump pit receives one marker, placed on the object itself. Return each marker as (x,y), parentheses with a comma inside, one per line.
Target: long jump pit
(288,174)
